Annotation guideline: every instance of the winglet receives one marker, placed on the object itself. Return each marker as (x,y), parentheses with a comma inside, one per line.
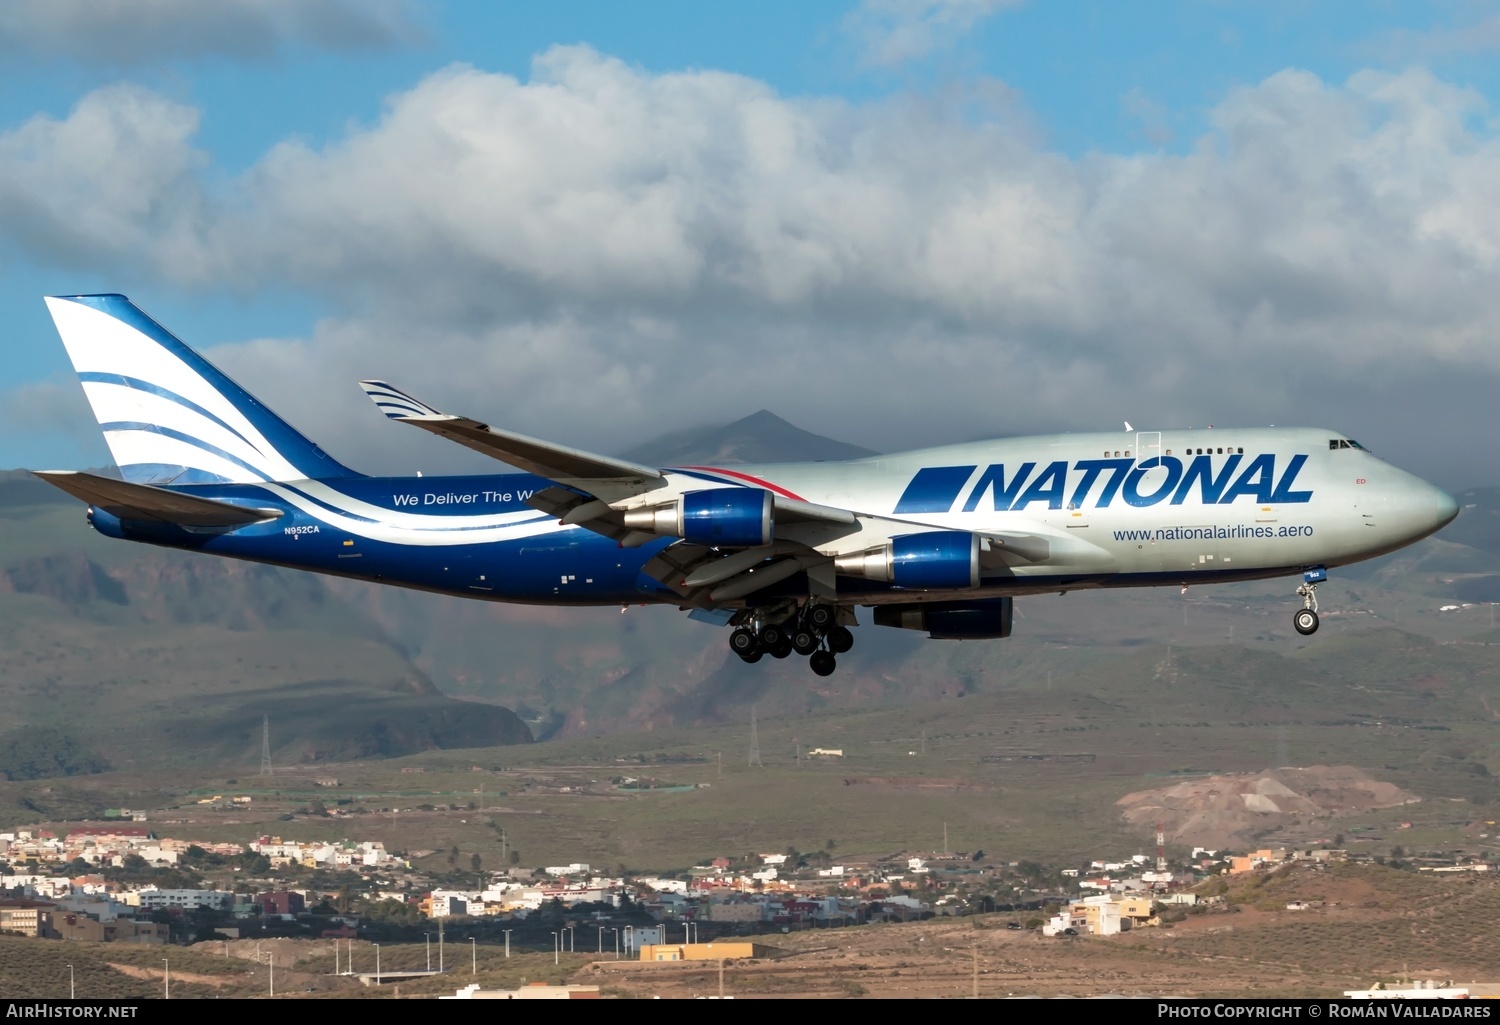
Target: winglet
(544,458)
(398,405)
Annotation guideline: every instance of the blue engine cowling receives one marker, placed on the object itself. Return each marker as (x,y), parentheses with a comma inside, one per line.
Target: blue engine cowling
(935,560)
(951,620)
(727,517)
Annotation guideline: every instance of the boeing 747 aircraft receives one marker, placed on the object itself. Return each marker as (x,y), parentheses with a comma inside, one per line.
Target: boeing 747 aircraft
(940,540)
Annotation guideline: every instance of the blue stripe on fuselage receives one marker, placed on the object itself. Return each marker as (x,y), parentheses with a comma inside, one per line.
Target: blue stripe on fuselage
(571,566)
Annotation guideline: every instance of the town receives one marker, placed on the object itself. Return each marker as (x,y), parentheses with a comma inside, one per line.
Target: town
(122,883)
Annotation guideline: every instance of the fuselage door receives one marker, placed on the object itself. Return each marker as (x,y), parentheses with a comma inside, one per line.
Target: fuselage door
(1147,445)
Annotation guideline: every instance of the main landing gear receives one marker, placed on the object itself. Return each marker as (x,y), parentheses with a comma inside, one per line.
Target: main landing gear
(1305,622)
(813,631)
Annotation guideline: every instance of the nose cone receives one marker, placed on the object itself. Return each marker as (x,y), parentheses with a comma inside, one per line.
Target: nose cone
(1444,507)
(1420,509)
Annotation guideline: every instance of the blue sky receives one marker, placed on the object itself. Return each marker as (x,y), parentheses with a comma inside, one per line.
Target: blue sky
(1096,114)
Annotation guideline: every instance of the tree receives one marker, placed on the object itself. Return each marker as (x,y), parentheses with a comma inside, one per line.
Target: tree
(515,856)
(477,865)
(453,856)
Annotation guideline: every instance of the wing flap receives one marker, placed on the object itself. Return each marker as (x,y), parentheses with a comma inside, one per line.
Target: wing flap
(543,458)
(144,502)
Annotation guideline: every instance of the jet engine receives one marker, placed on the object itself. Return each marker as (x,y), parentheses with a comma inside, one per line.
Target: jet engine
(938,559)
(951,620)
(719,517)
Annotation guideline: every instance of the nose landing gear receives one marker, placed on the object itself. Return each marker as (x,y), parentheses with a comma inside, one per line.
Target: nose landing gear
(1305,621)
(814,631)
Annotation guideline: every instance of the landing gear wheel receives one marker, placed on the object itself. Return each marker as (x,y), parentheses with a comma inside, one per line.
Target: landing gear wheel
(804,641)
(1305,622)
(820,617)
(753,656)
(781,650)
(840,639)
(743,642)
(823,663)
(773,636)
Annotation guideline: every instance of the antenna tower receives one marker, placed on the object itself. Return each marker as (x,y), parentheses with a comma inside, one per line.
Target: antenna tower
(265,745)
(1161,849)
(754,740)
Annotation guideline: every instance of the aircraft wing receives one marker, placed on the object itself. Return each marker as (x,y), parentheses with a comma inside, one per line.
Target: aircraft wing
(144,502)
(533,455)
(587,487)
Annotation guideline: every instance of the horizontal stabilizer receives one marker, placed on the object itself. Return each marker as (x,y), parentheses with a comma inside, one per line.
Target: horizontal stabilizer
(144,502)
(543,458)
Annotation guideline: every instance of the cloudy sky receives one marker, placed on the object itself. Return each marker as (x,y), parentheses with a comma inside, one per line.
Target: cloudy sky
(897,222)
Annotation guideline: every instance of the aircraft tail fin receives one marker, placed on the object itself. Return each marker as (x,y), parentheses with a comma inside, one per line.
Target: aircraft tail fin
(169,415)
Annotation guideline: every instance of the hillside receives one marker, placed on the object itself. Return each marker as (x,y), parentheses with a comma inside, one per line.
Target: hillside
(761,437)
(126,653)
(191,651)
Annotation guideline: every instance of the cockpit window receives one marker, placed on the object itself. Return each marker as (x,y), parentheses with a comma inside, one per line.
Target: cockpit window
(1334,443)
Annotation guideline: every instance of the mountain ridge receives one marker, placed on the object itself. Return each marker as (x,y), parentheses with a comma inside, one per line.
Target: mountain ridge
(210,646)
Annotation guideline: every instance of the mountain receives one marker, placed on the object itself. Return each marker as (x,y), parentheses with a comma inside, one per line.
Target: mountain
(761,437)
(119,654)
(133,653)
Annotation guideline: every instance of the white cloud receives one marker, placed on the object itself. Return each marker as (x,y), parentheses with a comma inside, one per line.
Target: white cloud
(1406,45)
(136,32)
(600,254)
(891,33)
(116,182)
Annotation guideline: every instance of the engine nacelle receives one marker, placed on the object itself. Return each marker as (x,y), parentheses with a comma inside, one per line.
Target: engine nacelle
(951,620)
(938,559)
(719,517)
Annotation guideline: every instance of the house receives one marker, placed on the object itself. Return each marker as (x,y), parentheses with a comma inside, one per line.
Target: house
(534,991)
(187,900)
(704,951)
(24,916)
(71,925)
(281,902)
(447,904)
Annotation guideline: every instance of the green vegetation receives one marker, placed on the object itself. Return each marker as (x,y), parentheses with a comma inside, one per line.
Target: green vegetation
(27,754)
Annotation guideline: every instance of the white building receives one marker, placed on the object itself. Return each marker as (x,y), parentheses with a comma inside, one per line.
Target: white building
(450,903)
(216,900)
(643,936)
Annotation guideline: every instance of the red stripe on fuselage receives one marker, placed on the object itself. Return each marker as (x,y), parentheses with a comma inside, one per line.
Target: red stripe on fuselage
(783,492)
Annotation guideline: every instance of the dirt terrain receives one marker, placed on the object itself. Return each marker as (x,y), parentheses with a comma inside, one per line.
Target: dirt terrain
(1224,811)
(1369,923)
